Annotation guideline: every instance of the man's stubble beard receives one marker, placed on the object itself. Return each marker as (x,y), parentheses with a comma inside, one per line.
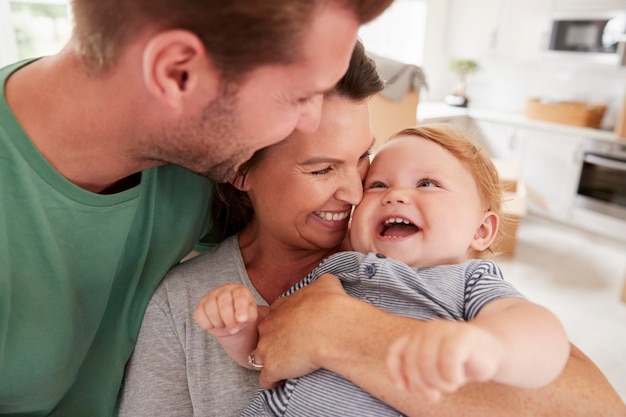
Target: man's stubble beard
(209,144)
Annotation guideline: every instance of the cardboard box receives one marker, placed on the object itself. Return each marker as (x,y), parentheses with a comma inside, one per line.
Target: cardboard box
(514,210)
(389,116)
(575,113)
(509,173)
(513,206)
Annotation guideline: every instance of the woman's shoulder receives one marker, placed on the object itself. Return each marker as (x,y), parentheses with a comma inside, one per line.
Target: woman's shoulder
(220,265)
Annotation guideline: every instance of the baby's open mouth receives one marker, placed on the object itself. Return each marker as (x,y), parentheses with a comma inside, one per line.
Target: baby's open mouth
(397,227)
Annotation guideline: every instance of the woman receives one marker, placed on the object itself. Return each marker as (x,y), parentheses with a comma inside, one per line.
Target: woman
(302,191)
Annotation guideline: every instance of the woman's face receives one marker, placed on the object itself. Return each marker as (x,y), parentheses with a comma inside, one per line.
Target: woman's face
(305,187)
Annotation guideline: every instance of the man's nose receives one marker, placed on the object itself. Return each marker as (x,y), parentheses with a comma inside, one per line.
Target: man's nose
(311,114)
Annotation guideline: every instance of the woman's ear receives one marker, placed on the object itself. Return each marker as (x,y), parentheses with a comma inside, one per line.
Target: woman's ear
(240,183)
(486,232)
(177,69)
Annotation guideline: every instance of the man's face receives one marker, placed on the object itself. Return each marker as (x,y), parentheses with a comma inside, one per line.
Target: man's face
(270,103)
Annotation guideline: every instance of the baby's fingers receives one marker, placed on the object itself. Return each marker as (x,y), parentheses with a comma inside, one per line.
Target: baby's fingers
(395,362)
(206,314)
(245,308)
(403,365)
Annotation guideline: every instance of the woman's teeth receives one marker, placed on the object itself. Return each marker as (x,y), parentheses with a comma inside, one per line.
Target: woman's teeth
(328,216)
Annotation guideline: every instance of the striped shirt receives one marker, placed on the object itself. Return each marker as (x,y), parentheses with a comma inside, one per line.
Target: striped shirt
(454,292)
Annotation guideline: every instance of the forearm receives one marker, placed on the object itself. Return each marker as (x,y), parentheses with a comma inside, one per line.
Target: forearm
(238,346)
(533,341)
(357,352)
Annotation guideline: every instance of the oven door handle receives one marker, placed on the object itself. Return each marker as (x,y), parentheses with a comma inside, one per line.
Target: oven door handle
(605,162)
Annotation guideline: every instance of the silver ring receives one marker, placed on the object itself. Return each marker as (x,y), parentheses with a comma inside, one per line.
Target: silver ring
(252,362)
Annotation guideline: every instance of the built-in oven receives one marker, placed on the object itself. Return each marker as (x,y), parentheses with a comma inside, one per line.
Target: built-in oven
(602,183)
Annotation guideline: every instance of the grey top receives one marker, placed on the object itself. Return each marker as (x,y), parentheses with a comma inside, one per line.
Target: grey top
(177,368)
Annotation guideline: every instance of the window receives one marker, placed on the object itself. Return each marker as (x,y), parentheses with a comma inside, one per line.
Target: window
(31,28)
(398,33)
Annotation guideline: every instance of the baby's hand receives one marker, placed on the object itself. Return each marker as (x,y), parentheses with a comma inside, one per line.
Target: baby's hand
(442,356)
(226,310)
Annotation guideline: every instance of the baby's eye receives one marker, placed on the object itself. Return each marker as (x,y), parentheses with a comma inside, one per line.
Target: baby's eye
(375,184)
(322,171)
(426,183)
(365,155)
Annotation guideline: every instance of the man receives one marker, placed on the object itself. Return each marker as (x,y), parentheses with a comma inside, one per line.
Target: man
(100,150)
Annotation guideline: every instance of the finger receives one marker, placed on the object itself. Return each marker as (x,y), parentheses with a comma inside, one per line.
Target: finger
(201,314)
(452,359)
(440,360)
(225,311)
(395,362)
(412,364)
(244,305)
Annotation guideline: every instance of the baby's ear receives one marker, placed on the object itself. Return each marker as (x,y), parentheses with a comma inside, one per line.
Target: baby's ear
(486,232)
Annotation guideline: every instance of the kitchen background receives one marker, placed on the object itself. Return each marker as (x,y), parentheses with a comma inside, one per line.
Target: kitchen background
(574,271)
(509,39)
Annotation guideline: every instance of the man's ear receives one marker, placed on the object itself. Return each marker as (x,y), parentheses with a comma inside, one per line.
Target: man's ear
(177,69)
(486,232)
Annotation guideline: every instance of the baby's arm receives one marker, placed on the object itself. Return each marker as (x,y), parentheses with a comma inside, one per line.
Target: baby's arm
(230,314)
(511,341)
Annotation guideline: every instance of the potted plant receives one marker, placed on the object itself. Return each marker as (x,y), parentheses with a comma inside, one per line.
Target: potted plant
(462,67)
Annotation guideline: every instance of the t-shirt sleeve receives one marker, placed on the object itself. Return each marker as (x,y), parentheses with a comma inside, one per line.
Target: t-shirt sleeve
(485,283)
(155,383)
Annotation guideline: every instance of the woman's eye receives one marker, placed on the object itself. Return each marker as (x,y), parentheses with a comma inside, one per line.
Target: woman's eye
(375,184)
(322,171)
(365,155)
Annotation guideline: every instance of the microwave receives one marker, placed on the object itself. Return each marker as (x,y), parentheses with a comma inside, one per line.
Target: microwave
(596,33)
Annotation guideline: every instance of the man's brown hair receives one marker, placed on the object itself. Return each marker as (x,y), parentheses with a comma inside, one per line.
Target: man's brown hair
(239,35)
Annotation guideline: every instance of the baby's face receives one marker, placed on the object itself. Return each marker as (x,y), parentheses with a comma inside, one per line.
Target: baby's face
(420,205)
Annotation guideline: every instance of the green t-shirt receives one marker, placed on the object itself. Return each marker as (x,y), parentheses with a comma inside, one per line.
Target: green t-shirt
(77,270)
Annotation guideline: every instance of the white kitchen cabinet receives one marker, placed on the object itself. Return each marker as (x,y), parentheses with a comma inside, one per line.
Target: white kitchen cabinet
(499,28)
(549,162)
(473,28)
(550,168)
(499,139)
(525,28)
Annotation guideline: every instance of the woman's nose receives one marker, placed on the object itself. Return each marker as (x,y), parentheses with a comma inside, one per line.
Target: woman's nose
(351,191)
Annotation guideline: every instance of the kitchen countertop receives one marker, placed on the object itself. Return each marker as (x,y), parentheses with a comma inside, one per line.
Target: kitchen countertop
(436,110)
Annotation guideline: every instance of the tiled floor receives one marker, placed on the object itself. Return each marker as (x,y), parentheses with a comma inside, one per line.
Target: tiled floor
(579,276)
